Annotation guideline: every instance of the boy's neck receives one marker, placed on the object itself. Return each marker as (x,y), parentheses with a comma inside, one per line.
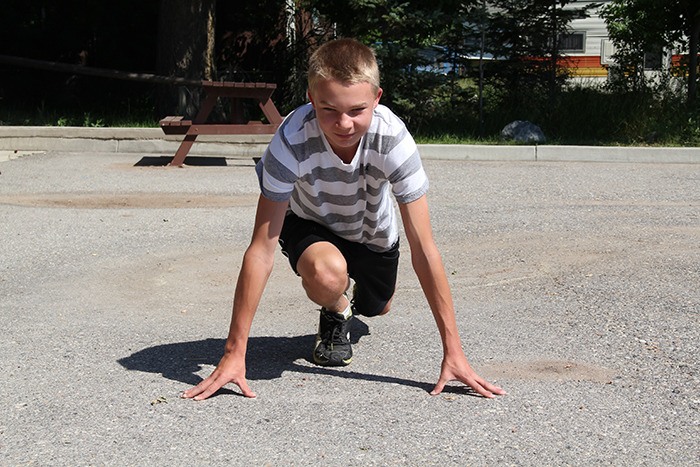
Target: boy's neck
(346,154)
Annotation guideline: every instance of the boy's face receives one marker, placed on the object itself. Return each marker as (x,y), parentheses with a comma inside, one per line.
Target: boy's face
(344,113)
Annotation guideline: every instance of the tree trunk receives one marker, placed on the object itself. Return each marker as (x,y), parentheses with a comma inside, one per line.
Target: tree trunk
(185,50)
(693,55)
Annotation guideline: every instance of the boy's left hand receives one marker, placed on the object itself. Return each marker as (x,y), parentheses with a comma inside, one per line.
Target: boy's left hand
(458,369)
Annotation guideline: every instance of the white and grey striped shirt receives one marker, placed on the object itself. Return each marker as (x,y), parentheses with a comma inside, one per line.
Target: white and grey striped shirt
(353,200)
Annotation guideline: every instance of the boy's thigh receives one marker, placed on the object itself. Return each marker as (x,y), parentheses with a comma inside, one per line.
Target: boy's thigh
(299,234)
(375,276)
(374,273)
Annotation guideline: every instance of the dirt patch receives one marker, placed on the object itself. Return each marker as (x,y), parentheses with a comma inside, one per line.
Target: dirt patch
(131,200)
(549,370)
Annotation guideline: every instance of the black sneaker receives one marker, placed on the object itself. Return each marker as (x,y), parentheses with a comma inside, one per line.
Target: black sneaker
(333,339)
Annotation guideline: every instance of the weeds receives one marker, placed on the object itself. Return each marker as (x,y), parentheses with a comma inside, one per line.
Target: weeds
(54,117)
(578,115)
(584,114)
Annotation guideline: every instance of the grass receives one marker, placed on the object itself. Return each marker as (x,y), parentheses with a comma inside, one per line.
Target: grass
(582,115)
(44,116)
(456,139)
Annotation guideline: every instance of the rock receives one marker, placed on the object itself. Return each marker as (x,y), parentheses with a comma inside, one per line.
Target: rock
(523,132)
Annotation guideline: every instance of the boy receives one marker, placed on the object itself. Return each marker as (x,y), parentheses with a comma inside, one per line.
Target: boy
(326,179)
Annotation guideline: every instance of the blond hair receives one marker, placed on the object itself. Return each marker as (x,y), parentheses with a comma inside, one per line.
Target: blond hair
(345,60)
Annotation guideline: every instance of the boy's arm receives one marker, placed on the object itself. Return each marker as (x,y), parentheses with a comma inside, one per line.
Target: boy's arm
(427,263)
(256,269)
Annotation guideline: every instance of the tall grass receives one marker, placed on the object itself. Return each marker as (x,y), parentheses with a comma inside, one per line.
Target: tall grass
(593,115)
(584,114)
(47,115)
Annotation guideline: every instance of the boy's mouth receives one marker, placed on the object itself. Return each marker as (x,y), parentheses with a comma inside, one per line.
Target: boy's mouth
(345,136)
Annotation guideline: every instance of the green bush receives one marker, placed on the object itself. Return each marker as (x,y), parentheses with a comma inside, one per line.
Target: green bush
(596,115)
(439,109)
(584,114)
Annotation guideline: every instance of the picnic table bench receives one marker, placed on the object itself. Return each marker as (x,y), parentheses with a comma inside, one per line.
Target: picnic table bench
(236,92)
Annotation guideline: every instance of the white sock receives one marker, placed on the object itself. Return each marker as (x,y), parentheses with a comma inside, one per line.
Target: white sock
(347,313)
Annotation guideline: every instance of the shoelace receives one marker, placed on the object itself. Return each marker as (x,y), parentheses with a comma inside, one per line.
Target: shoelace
(336,334)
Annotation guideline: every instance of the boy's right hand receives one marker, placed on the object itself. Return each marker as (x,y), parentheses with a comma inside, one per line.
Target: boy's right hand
(231,369)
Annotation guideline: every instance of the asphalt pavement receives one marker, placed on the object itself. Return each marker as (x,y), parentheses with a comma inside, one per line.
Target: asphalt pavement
(576,286)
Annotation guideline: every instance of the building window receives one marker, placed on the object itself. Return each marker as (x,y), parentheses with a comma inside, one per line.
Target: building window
(574,42)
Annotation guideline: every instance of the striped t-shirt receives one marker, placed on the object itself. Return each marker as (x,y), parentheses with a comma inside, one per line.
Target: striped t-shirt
(352,200)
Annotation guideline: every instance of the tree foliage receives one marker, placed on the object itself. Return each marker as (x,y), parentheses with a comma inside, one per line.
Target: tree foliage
(411,36)
(457,67)
(402,34)
(116,35)
(639,26)
(524,36)
(270,40)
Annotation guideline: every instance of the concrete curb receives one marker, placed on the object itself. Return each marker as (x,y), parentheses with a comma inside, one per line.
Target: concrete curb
(560,153)
(125,140)
(153,141)
(618,154)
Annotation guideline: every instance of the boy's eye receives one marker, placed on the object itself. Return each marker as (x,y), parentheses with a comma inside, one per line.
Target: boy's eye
(351,112)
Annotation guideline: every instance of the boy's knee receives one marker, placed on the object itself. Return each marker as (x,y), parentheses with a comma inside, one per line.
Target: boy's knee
(386,308)
(328,272)
(379,311)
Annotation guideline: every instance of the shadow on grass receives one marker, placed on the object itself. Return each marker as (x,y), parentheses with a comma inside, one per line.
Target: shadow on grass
(267,358)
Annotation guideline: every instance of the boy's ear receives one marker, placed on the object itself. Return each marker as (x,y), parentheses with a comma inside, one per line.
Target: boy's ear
(311,99)
(379,96)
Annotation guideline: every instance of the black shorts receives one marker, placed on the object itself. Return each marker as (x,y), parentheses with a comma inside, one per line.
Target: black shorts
(374,273)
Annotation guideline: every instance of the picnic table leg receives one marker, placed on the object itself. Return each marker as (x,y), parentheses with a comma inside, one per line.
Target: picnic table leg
(201,117)
(183,150)
(205,109)
(270,111)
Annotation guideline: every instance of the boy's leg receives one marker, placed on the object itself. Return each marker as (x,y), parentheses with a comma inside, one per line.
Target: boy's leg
(317,260)
(324,261)
(375,276)
(323,271)
(324,275)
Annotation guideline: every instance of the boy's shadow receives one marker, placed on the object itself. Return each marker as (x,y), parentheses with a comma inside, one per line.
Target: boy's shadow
(266,358)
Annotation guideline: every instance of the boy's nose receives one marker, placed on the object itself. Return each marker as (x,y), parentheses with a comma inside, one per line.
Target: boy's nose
(344,121)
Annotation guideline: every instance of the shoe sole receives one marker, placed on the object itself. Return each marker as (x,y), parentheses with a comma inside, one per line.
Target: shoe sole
(320,362)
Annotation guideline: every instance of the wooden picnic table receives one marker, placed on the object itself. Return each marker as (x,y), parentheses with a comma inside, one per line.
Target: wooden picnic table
(236,92)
